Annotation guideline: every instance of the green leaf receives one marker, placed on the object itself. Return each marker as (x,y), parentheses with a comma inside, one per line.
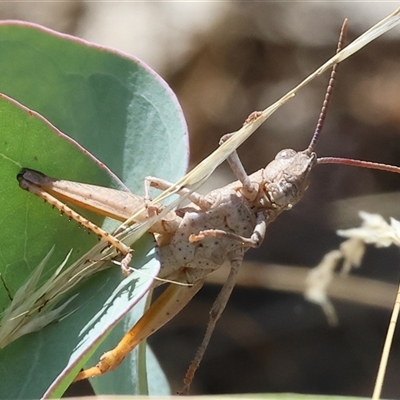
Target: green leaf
(111,103)
(124,114)
(44,363)
(28,227)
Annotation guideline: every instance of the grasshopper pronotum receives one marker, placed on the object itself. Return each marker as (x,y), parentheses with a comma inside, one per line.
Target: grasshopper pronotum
(196,239)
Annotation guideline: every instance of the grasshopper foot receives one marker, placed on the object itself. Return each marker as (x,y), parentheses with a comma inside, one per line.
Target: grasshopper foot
(108,362)
(88,373)
(125,268)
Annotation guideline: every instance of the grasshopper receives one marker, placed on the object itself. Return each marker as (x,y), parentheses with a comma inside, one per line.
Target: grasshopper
(197,239)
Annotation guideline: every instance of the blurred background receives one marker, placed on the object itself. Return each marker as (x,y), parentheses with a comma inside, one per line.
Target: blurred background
(225,60)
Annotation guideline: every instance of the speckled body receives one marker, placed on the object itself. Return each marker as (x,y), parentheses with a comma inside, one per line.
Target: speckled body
(277,187)
(200,258)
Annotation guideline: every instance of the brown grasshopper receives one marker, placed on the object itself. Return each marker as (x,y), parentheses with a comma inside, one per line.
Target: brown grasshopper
(196,239)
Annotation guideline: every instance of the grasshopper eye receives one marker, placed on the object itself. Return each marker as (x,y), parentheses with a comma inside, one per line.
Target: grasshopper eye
(285,154)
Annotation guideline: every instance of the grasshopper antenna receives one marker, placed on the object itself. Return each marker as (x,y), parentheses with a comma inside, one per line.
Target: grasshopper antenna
(359,163)
(321,120)
(328,94)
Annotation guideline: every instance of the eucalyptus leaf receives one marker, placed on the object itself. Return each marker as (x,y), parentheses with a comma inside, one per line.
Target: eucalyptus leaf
(121,111)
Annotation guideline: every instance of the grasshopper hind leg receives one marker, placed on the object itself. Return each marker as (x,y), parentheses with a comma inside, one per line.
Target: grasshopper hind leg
(26,180)
(170,303)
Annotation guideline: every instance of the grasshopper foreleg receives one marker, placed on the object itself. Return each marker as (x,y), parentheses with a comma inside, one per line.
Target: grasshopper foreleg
(202,201)
(253,241)
(248,190)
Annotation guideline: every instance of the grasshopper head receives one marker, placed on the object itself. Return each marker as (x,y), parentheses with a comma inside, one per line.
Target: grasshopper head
(287,177)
